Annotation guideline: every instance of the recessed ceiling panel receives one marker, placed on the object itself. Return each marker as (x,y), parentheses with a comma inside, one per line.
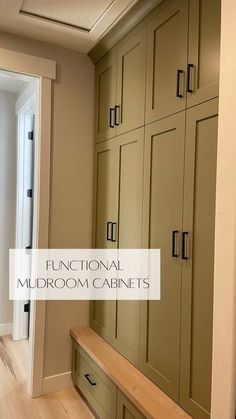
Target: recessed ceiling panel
(82,14)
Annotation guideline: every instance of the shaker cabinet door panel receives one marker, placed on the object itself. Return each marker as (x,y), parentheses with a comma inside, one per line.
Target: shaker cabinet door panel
(126,314)
(131,75)
(105,95)
(204,50)
(198,268)
(166,61)
(163,192)
(105,210)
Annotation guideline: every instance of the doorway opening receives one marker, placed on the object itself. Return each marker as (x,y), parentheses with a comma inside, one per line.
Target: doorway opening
(19,104)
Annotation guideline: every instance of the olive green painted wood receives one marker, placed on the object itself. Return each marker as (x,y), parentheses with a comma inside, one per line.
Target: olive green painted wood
(105,96)
(101,395)
(126,314)
(106,204)
(204,49)
(163,194)
(131,75)
(166,54)
(125,409)
(198,270)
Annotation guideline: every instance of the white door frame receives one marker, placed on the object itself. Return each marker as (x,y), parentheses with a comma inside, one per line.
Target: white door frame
(45,70)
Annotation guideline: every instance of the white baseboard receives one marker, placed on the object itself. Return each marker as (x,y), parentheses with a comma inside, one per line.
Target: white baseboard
(6,329)
(57,383)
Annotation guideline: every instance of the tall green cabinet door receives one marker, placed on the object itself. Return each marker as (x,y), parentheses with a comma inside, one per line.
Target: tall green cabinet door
(198,259)
(126,314)
(167,60)
(131,75)
(105,96)
(105,211)
(163,194)
(204,50)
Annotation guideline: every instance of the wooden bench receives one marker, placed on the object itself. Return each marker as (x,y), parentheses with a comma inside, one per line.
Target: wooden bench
(147,397)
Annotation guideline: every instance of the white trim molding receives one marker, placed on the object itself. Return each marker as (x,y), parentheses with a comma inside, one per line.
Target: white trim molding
(27,64)
(5,329)
(57,382)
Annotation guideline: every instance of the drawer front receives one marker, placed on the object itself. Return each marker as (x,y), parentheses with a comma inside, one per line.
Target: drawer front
(94,384)
(125,409)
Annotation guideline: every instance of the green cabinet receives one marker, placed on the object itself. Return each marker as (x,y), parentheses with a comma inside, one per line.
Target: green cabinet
(167,60)
(179,196)
(125,409)
(204,50)
(105,211)
(183,56)
(120,88)
(163,196)
(155,171)
(198,268)
(105,97)
(118,200)
(98,389)
(125,334)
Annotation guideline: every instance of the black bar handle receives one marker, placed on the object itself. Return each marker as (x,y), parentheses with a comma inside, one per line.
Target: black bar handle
(179,73)
(109,231)
(189,78)
(174,234)
(184,236)
(113,232)
(111,118)
(90,380)
(117,115)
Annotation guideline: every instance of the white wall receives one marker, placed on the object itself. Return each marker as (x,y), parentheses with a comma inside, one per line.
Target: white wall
(224,356)
(7,197)
(71,181)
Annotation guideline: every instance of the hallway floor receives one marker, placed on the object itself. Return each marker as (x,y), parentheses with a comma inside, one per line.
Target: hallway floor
(14,399)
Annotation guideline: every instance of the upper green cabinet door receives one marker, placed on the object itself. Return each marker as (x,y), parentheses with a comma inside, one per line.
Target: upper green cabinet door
(163,195)
(105,95)
(166,60)
(131,74)
(204,50)
(198,268)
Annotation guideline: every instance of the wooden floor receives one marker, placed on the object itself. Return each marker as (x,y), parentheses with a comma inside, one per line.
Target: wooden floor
(14,399)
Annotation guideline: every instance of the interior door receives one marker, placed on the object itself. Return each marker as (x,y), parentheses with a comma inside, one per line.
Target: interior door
(126,314)
(131,74)
(198,267)
(167,60)
(24,214)
(105,94)
(163,195)
(106,204)
(204,50)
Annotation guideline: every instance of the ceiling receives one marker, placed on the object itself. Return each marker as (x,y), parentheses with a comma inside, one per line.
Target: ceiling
(13,82)
(75,24)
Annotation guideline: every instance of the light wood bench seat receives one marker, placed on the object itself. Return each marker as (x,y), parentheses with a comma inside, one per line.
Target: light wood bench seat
(147,397)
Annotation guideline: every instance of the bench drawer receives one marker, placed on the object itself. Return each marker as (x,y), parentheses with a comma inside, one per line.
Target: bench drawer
(93,383)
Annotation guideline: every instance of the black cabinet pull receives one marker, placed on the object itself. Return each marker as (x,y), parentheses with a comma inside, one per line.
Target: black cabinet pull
(179,73)
(174,253)
(189,78)
(109,231)
(117,115)
(184,245)
(111,118)
(113,232)
(90,380)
